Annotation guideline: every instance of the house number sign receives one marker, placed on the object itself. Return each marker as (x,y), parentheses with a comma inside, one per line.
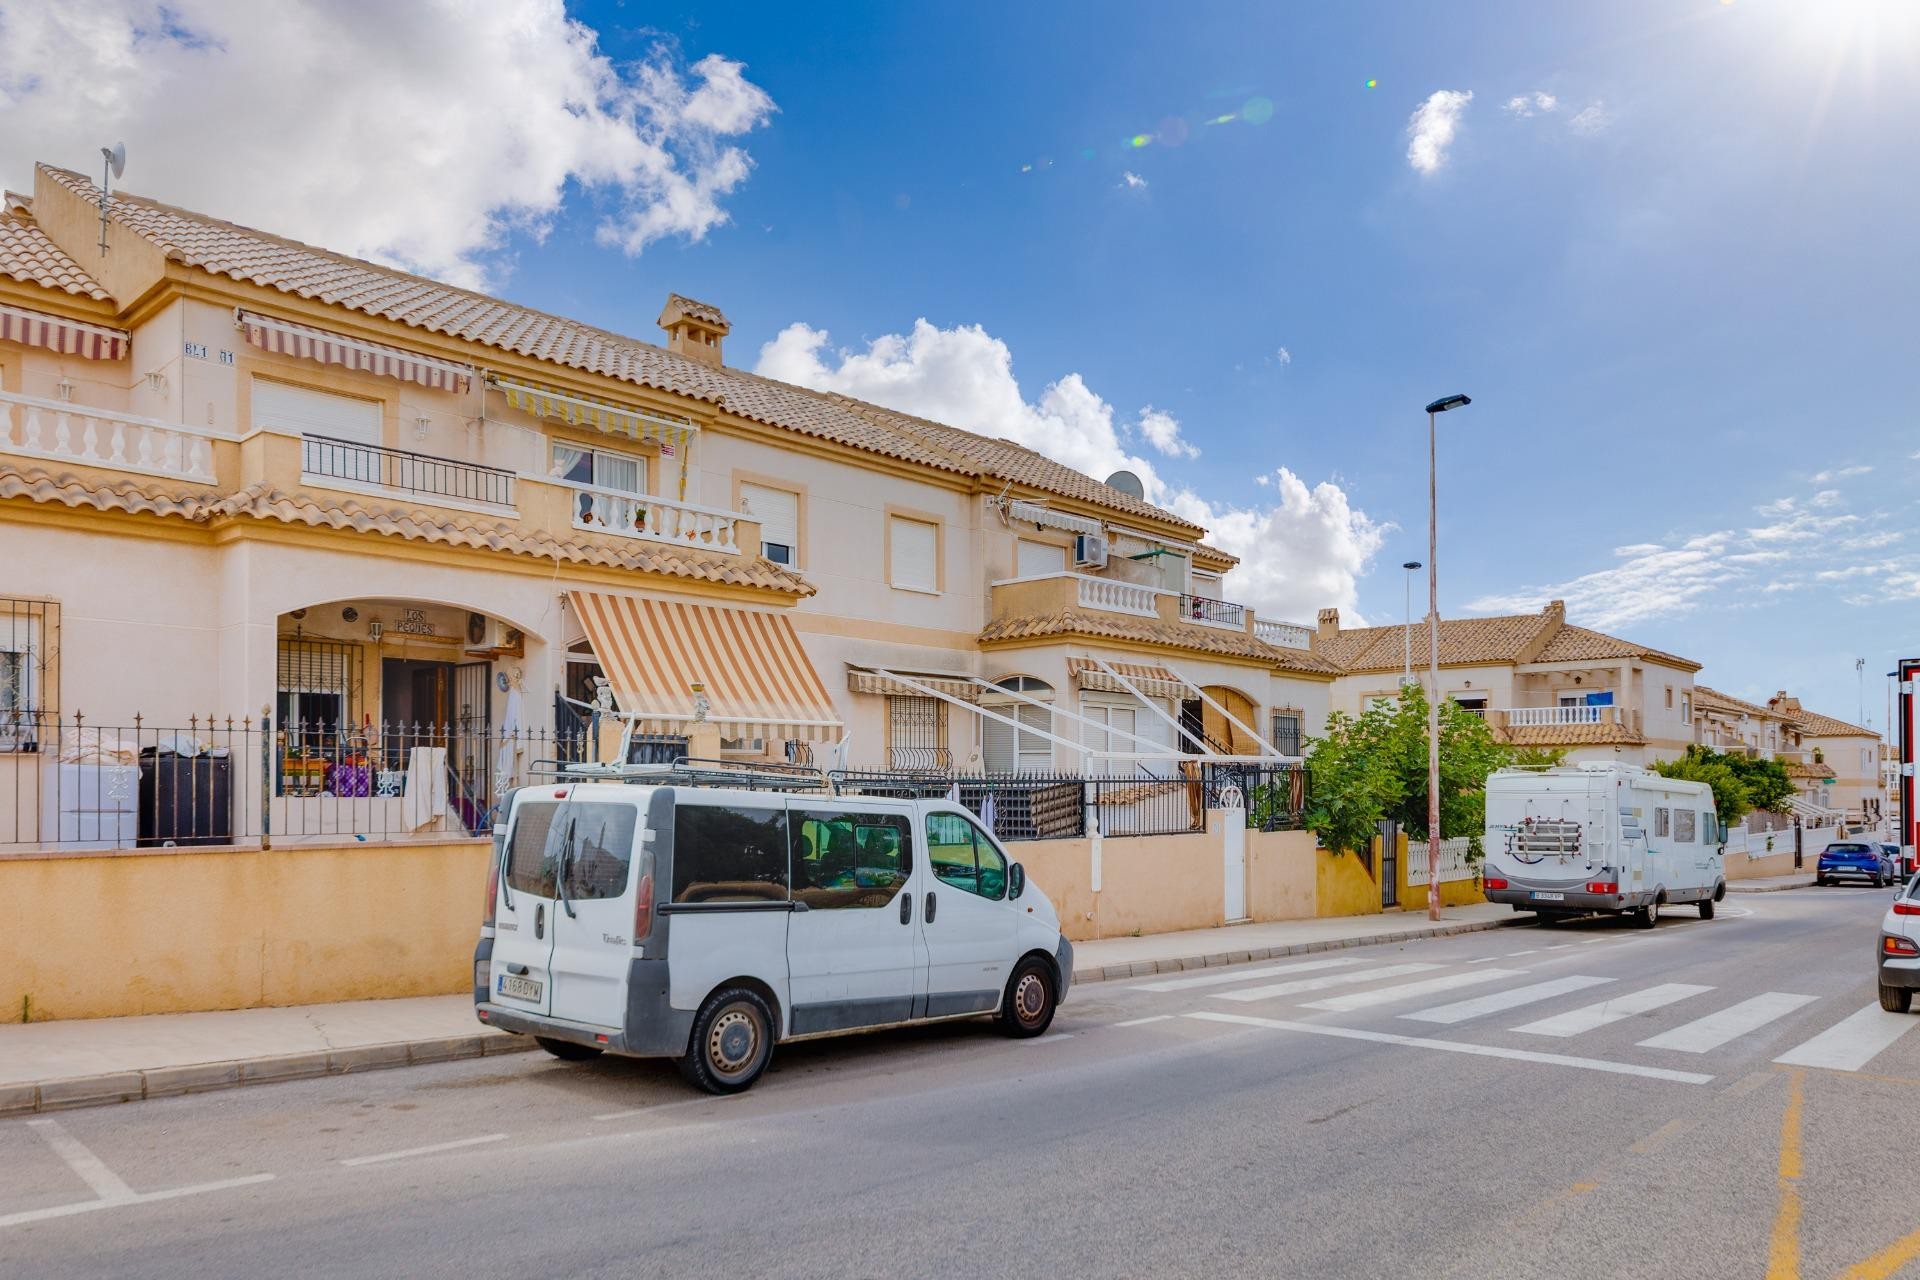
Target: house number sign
(414,622)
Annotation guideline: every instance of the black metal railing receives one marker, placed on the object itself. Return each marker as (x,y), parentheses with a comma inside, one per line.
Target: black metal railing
(1207,609)
(1143,805)
(1015,806)
(398,469)
(1273,795)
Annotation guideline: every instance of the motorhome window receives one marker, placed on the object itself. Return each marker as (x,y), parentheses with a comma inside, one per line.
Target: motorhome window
(599,846)
(530,863)
(963,856)
(1660,827)
(849,860)
(1683,826)
(727,854)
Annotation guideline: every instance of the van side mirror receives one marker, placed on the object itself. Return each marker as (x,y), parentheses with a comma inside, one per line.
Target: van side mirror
(1016,881)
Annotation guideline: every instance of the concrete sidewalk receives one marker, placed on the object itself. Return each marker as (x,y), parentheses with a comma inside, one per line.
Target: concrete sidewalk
(47,1066)
(1771,884)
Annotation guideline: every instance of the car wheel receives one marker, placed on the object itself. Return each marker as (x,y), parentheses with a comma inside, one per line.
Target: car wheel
(1648,916)
(1027,1008)
(732,1041)
(1706,908)
(1821,881)
(566,1050)
(1895,999)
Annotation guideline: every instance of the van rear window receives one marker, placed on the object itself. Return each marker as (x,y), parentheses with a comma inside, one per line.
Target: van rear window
(600,839)
(530,865)
(723,853)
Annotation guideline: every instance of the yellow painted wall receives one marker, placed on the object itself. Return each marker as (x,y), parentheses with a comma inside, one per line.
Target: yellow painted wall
(1343,886)
(1453,893)
(175,930)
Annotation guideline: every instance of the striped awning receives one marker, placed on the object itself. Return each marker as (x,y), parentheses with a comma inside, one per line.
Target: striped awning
(953,686)
(578,411)
(68,337)
(1154,681)
(757,680)
(304,342)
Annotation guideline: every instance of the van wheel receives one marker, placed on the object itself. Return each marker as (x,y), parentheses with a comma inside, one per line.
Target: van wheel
(1895,999)
(1648,916)
(1706,908)
(731,1043)
(566,1050)
(1027,1008)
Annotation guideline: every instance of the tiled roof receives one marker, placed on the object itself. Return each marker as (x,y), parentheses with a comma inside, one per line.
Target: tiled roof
(1807,769)
(1214,556)
(27,255)
(1578,644)
(1569,735)
(680,304)
(1155,631)
(1462,641)
(1705,699)
(1814,725)
(202,506)
(274,262)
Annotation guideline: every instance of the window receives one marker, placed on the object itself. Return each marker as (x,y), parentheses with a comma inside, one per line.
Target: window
(917,732)
(849,860)
(778,511)
(318,681)
(1036,559)
(531,863)
(1286,732)
(1109,722)
(1009,750)
(619,472)
(964,856)
(1686,707)
(1206,583)
(598,842)
(1661,825)
(1383,701)
(1683,826)
(1474,702)
(914,551)
(727,854)
(307,412)
(1669,697)
(26,690)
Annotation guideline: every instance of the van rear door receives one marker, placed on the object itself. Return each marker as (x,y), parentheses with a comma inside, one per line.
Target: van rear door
(601,866)
(523,922)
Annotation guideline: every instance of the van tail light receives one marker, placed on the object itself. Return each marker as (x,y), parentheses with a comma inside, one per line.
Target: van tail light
(643,910)
(1899,946)
(1906,907)
(1495,882)
(493,894)
(1603,886)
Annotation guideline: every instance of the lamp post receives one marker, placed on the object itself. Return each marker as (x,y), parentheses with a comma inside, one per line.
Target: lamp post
(1406,676)
(1434,410)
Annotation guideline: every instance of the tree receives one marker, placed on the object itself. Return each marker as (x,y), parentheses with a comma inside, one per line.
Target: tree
(1539,757)
(1731,799)
(1374,767)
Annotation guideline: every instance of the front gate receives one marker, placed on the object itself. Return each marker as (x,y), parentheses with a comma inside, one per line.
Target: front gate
(1389,864)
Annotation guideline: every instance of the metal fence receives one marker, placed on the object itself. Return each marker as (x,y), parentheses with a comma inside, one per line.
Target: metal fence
(1015,806)
(401,469)
(1274,795)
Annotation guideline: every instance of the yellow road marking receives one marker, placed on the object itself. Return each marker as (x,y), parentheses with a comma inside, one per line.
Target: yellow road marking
(1887,1261)
(1783,1251)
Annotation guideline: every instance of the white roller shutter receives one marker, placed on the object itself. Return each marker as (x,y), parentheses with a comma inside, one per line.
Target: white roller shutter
(778,511)
(1031,754)
(1034,559)
(315,413)
(915,547)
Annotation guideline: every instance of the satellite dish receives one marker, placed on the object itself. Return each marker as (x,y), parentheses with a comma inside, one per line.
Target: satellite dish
(116,158)
(1129,484)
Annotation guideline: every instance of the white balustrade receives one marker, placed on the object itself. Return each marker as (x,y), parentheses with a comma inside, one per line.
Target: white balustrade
(634,515)
(1115,596)
(1284,635)
(65,432)
(1453,861)
(1535,717)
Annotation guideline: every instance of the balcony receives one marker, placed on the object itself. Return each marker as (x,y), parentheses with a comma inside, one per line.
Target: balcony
(1542,717)
(397,471)
(1282,635)
(637,515)
(1213,613)
(62,432)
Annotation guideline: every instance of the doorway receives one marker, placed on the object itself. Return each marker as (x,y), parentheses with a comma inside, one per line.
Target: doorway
(448,705)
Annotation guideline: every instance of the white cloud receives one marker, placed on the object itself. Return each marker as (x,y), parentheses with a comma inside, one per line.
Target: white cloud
(1530,104)
(1591,120)
(1284,356)
(1162,431)
(1827,498)
(1430,129)
(1297,556)
(418,134)
(1131,181)
(1839,473)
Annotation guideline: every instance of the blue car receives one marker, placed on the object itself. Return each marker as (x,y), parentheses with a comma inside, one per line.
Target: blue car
(1854,859)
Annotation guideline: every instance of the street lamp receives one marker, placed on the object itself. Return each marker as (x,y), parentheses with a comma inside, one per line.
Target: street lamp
(1434,410)
(1406,676)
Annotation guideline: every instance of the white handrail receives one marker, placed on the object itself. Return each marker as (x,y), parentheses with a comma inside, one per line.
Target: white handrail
(1528,717)
(1287,635)
(107,438)
(639,515)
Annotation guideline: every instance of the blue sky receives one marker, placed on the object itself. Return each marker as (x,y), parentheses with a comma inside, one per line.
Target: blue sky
(1676,276)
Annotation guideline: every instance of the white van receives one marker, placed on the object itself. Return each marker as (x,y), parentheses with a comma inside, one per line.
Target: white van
(706,924)
(1601,837)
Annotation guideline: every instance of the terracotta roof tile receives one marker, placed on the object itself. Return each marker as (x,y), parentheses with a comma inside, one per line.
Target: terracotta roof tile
(1814,725)
(1173,635)
(1462,641)
(1568,735)
(202,506)
(27,255)
(1578,644)
(1705,699)
(678,304)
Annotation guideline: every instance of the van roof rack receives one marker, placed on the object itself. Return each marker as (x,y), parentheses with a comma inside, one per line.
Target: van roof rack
(687,771)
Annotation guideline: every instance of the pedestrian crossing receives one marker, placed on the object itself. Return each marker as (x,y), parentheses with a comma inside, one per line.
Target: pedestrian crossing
(1686,1020)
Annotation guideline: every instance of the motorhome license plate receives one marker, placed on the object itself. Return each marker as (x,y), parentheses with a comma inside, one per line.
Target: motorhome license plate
(1544,896)
(519,988)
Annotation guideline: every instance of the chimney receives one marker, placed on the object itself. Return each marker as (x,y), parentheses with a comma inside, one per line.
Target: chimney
(1556,610)
(1329,624)
(694,329)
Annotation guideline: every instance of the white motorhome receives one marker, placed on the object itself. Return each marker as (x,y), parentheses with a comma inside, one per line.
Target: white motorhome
(1601,837)
(707,924)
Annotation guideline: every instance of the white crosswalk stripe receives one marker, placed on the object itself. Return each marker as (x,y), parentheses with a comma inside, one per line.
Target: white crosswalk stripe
(1412,990)
(1852,1043)
(1328,980)
(1480,1006)
(1714,1030)
(1576,1021)
(1242,975)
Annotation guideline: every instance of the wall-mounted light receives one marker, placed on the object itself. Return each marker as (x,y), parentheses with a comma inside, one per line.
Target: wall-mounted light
(64,388)
(375,630)
(420,427)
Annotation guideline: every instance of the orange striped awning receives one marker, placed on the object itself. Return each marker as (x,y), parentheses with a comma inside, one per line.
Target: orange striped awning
(756,677)
(1154,681)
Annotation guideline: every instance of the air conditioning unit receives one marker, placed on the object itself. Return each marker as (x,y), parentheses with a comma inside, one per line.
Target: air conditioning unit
(1089,551)
(497,638)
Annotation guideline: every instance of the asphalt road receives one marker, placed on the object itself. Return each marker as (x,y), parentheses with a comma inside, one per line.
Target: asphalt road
(1586,1101)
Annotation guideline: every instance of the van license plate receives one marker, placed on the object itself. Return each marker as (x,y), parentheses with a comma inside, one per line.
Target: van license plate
(519,988)
(1543,896)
